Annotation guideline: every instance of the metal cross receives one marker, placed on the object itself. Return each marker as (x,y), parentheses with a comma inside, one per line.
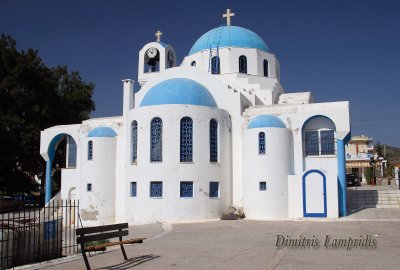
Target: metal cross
(158,35)
(228,16)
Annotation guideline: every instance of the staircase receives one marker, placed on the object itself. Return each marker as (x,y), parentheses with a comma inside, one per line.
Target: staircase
(373,198)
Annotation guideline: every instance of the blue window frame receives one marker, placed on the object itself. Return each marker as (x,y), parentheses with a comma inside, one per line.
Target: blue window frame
(263,186)
(327,142)
(134,131)
(265,67)
(312,144)
(215,65)
(214,189)
(242,64)
(90,150)
(133,189)
(71,153)
(261,143)
(186,140)
(156,140)
(186,189)
(213,140)
(156,189)
(89,187)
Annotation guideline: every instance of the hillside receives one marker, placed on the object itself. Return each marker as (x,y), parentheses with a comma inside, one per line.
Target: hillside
(393,154)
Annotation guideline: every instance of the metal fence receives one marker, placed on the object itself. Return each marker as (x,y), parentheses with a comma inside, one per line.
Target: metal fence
(35,234)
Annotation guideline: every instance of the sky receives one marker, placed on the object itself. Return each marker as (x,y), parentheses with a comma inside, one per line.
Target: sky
(338,49)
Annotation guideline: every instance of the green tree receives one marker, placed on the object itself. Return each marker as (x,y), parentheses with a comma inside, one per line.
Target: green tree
(33,97)
(379,149)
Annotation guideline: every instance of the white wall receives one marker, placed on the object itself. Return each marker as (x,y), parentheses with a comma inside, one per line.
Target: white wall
(273,168)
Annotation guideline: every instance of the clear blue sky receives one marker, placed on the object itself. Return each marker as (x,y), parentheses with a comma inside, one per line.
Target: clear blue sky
(338,49)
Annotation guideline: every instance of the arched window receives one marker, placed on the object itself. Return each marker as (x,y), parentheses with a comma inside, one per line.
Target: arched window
(242,64)
(90,150)
(215,65)
(319,136)
(134,140)
(213,140)
(193,64)
(261,143)
(265,66)
(186,139)
(156,140)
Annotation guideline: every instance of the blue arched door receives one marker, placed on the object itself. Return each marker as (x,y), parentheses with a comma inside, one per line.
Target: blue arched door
(314,194)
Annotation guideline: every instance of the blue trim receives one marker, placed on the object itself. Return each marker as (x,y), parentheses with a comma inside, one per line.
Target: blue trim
(266,121)
(102,132)
(48,180)
(178,91)
(324,214)
(347,138)
(229,36)
(342,177)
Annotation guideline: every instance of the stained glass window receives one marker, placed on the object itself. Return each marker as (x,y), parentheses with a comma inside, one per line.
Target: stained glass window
(133,189)
(213,140)
(263,186)
(312,144)
(214,189)
(134,141)
(156,140)
(156,189)
(261,143)
(242,64)
(186,189)
(186,139)
(71,153)
(265,66)
(215,65)
(90,150)
(327,142)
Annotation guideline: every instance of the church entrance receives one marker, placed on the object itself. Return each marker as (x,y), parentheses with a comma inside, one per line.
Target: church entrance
(314,194)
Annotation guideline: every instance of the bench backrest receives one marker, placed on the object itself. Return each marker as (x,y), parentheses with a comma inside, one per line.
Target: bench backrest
(97,233)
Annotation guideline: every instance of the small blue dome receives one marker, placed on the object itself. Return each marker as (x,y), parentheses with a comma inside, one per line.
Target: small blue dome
(266,121)
(178,91)
(229,36)
(102,132)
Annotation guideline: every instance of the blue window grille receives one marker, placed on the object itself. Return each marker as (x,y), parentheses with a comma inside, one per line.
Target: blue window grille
(134,135)
(156,140)
(133,189)
(312,144)
(214,190)
(213,140)
(90,150)
(89,187)
(265,66)
(263,186)
(186,139)
(327,142)
(186,189)
(156,189)
(261,143)
(242,64)
(71,153)
(215,65)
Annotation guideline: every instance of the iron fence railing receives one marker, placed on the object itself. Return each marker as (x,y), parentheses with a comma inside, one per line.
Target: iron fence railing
(33,234)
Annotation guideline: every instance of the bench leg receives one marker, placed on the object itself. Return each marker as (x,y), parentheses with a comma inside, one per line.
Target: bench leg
(122,248)
(84,257)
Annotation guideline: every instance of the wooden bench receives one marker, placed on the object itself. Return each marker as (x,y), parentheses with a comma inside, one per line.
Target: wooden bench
(101,233)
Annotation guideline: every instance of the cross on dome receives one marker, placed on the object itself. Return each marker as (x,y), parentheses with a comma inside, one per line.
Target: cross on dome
(158,35)
(228,16)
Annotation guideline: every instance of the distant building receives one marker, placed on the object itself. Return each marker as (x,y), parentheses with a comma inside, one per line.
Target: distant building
(358,155)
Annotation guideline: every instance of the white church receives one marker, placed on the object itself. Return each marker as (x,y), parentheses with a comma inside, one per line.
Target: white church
(216,130)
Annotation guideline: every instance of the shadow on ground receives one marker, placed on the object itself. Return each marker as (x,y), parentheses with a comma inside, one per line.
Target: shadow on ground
(132,262)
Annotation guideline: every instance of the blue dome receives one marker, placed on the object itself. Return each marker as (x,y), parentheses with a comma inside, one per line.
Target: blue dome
(102,132)
(266,121)
(229,36)
(178,91)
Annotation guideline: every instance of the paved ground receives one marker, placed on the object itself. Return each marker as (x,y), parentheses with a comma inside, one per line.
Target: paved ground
(249,244)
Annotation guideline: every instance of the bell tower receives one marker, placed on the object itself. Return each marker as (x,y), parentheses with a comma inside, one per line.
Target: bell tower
(155,57)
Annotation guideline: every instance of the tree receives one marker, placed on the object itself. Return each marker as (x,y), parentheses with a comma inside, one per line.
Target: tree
(33,97)
(379,149)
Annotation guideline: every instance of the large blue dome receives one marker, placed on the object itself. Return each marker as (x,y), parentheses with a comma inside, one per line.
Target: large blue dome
(266,121)
(178,91)
(229,36)
(102,132)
